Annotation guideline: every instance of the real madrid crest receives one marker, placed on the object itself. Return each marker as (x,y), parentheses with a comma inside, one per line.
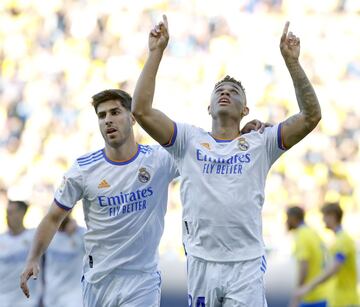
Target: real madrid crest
(243,144)
(144,175)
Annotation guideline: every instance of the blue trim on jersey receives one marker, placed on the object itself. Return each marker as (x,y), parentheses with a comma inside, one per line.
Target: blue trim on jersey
(279,138)
(122,162)
(89,157)
(91,161)
(338,229)
(264,259)
(220,141)
(340,257)
(314,304)
(145,149)
(61,205)
(173,137)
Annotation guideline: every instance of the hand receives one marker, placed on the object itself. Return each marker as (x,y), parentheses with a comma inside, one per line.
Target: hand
(289,45)
(159,36)
(31,269)
(255,125)
(298,294)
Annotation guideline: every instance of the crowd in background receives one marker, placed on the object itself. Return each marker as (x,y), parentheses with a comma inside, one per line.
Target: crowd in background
(54,55)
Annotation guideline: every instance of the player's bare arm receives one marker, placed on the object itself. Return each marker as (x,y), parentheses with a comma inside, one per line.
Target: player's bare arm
(298,126)
(44,234)
(304,289)
(156,123)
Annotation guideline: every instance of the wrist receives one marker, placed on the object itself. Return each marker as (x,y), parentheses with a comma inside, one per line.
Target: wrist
(291,62)
(156,52)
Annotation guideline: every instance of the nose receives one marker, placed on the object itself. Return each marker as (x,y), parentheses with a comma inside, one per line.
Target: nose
(225,93)
(108,119)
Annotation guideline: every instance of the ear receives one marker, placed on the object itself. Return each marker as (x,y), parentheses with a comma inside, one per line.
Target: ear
(209,109)
(132,118)
(245,111)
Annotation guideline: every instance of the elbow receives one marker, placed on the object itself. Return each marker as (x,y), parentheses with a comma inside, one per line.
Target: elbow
(136,110)
(313,120)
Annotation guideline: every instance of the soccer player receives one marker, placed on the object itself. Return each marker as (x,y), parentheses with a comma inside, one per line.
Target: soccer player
(124,190)
(63,266)
(343,292)
(311,256)
(14,246)
(223,176)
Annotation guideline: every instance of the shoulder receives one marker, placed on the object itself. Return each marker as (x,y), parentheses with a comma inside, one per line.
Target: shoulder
(90,158)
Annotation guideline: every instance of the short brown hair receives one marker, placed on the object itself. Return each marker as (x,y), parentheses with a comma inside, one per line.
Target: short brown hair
(112,94)
(230,79)
(297,212)
(333,209)
(21,205)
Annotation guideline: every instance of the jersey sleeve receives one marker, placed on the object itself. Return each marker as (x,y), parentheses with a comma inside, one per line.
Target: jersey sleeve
(71,189)
(274,143)
(178,143)
(302,251)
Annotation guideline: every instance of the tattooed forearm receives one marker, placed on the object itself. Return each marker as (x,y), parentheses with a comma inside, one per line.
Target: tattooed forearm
(305,94)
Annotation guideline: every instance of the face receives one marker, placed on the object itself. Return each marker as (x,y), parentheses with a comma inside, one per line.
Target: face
(115,123)
(14,216)
(329,221)
(228,99)
(291,222)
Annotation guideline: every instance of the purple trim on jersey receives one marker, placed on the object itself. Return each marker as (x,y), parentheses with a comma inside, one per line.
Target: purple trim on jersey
(173,137)
(220,141)
(279,138)
(61,205)
(340,257)
(122,162)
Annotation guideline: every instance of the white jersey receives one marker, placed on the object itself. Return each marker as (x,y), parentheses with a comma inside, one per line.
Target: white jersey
(13,253)
(222,190)
(124,207)
(63,270)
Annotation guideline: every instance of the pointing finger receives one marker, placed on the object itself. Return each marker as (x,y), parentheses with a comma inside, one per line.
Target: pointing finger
(165,22)
(286,28)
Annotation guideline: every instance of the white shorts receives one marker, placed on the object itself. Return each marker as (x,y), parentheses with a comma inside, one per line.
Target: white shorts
(213,284)
(125,289)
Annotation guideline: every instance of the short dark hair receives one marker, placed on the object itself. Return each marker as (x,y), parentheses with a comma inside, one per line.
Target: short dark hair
(230,79)
(333,209)
(22,205)
(296,211)
(112,94)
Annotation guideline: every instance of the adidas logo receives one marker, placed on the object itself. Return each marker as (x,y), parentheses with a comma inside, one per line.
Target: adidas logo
(103,184)
(206,145)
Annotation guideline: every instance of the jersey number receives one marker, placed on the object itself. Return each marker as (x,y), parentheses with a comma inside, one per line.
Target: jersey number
(200,301)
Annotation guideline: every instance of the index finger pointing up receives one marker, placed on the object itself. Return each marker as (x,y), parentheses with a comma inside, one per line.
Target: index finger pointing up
(286,28)
(165,22)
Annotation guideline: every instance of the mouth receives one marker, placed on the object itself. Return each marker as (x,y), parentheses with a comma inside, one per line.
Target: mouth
(223,101)
(110,131)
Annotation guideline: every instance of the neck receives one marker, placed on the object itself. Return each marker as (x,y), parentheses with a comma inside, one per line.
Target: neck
(336,228)
(17,230)
(123,152)
(225,128)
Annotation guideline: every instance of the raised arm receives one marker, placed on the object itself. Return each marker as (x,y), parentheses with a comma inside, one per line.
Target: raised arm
(44,234)
(156,123)
(296,127)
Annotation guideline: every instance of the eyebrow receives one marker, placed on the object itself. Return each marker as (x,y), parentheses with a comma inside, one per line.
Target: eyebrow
(234,87)
(112,109)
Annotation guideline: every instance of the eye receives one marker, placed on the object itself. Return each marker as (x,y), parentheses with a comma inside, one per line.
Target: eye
(101,115)
(115,112)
